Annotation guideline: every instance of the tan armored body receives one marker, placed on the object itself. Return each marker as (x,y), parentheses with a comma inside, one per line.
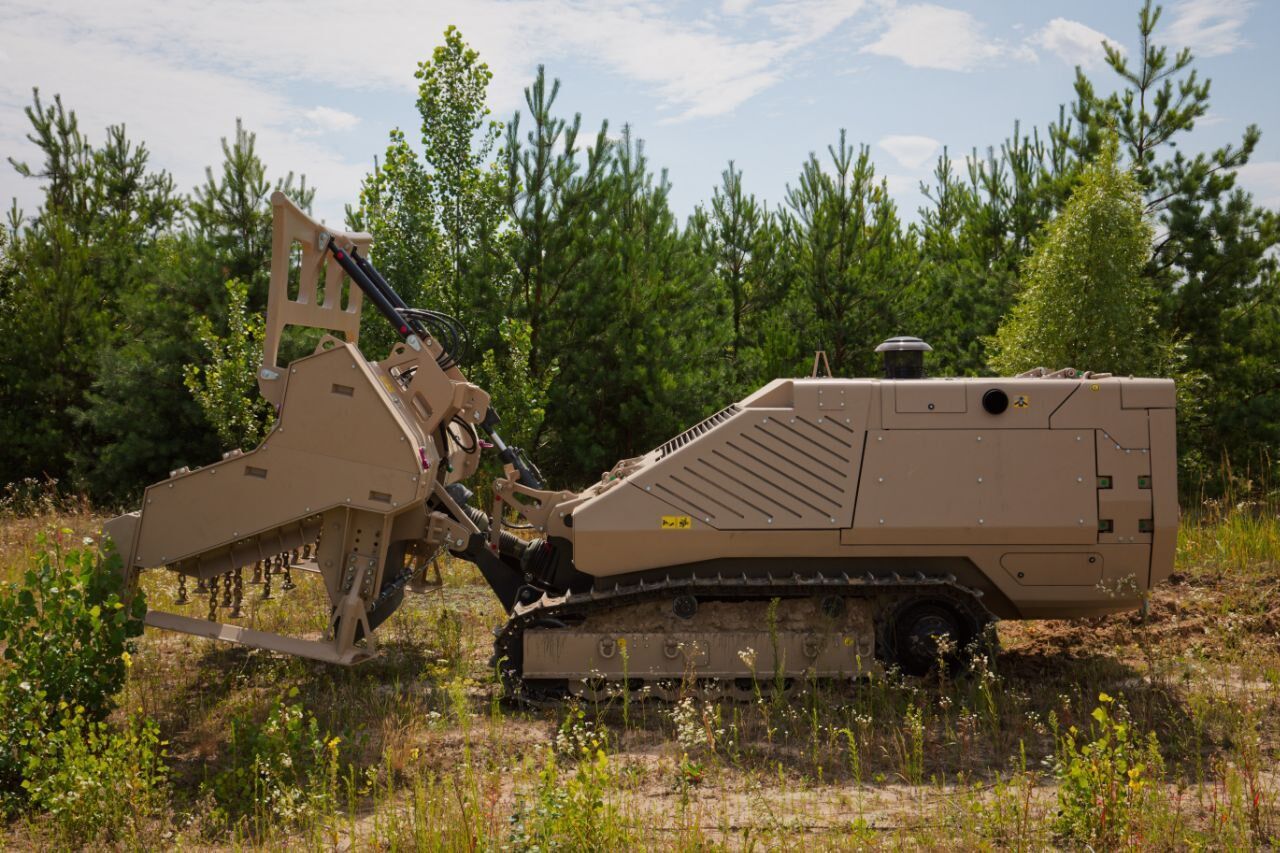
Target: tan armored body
(817,528)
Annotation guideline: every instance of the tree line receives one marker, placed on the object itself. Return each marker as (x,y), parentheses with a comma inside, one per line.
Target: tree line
(130,312)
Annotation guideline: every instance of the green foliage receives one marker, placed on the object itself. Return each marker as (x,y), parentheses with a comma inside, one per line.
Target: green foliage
(95,780)
(849,258)
(974,233)
(231,216)
(281,770)
(1107,781)
(398,207)
(437,218)
(568,810)
(600,324)
(552,200)
(741,239)
(99,290)
(68,269)
(66,632)
(514,388)
(1215,266)
(1084,301)
(226,387)
(640,334)
(458,140)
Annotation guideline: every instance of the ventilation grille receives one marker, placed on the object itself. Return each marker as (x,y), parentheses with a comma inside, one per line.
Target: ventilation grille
(698,429)
(764,472)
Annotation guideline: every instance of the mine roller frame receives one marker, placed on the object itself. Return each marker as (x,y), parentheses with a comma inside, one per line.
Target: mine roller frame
(817,529)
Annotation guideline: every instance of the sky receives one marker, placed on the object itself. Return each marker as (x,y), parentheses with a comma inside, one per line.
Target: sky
(761,82)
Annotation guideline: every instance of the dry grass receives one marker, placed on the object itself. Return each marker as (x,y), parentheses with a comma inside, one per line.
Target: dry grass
(430,759)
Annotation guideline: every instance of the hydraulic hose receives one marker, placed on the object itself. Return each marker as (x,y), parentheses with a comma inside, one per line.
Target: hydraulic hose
(508,545)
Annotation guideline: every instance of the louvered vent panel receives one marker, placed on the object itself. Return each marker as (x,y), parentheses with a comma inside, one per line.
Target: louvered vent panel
(760,471)
(698,429)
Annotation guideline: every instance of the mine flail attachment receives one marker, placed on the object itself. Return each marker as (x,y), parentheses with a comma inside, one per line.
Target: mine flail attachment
(346,494)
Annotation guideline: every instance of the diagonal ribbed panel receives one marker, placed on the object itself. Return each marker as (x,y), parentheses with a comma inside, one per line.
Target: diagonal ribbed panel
(753,469)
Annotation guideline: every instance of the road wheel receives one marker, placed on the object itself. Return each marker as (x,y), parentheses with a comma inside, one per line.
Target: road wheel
(926,634)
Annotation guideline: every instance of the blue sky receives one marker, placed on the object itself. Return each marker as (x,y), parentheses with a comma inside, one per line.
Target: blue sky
(762,82)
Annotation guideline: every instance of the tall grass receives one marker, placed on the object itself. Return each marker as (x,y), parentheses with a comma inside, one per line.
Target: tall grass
(425,757)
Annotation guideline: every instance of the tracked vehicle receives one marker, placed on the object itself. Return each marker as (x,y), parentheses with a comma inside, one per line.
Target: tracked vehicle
(820,527)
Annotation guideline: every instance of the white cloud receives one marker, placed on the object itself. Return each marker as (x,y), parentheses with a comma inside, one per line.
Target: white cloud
(1262,178)
(805,21)
(928,36)
(912,152)
(734,7)
(179,74)
(1074,43)
(902,187)
(1208,27)
(327,118)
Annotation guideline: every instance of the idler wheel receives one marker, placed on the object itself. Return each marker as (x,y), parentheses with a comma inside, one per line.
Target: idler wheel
(685,606)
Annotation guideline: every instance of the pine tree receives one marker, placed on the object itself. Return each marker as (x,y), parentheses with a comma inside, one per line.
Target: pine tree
(644,330)
(552,199)
(740,237)
(72,266)
(848,257)
(141,417)
(554,190)
(231,219)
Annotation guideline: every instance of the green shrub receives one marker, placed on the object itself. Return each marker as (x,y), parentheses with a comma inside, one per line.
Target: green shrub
(1105,782)
(280,771)
(569,811)
(67,636)
(93,779)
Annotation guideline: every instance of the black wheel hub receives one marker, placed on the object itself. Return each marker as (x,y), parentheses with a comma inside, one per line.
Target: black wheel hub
(926,635)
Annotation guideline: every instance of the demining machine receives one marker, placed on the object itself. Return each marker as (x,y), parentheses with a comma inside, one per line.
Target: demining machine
(817,528)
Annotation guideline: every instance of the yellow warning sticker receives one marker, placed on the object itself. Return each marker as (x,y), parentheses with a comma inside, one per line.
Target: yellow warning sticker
(1022,401)
(676,522)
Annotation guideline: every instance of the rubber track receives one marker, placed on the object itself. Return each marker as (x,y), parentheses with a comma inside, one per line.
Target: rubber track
(508,648)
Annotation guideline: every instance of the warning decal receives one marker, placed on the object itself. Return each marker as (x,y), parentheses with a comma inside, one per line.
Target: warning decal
(676,522)
(1022,401)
